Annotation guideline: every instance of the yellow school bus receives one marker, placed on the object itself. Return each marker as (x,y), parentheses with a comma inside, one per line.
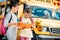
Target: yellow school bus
(47,15)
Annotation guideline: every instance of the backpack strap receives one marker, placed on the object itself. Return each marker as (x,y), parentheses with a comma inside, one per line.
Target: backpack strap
(9,22)
(32,20)
(20,18)
(10,19)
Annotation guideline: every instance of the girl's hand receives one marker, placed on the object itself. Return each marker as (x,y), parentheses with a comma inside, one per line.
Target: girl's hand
(19,28)
(16,24)
(10,24)
(33,27)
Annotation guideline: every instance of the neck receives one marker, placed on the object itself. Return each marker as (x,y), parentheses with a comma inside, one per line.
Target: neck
(12,11)
(0,23)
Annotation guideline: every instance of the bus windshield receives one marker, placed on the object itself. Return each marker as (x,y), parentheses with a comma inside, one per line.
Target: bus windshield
(42,12)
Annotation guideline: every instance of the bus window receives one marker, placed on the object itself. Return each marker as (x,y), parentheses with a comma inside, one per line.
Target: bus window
(58,14)
(40,11)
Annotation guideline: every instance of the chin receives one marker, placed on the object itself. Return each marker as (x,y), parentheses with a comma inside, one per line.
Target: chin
(15,12)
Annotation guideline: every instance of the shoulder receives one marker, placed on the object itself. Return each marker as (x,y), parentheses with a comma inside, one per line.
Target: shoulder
(8,14)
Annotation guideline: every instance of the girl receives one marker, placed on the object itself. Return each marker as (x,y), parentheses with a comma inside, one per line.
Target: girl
(26,33)
(11,21)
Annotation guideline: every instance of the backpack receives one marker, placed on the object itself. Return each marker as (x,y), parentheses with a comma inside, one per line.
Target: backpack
(3,28)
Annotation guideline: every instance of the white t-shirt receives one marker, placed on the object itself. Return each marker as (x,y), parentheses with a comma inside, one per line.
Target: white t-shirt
(12,30)
(27,32)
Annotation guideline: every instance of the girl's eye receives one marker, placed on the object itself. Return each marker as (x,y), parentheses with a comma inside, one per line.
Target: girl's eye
(26,14)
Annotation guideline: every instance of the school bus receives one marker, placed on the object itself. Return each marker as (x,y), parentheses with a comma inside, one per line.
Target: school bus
(46,17)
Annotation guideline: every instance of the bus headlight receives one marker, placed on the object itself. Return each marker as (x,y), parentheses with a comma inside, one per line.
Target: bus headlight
(44,29)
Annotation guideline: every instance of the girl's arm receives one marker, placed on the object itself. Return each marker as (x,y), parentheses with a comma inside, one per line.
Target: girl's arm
(33,24)
(10,24)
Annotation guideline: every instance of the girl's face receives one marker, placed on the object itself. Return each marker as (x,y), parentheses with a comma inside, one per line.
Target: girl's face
(27,15)
(16,8)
